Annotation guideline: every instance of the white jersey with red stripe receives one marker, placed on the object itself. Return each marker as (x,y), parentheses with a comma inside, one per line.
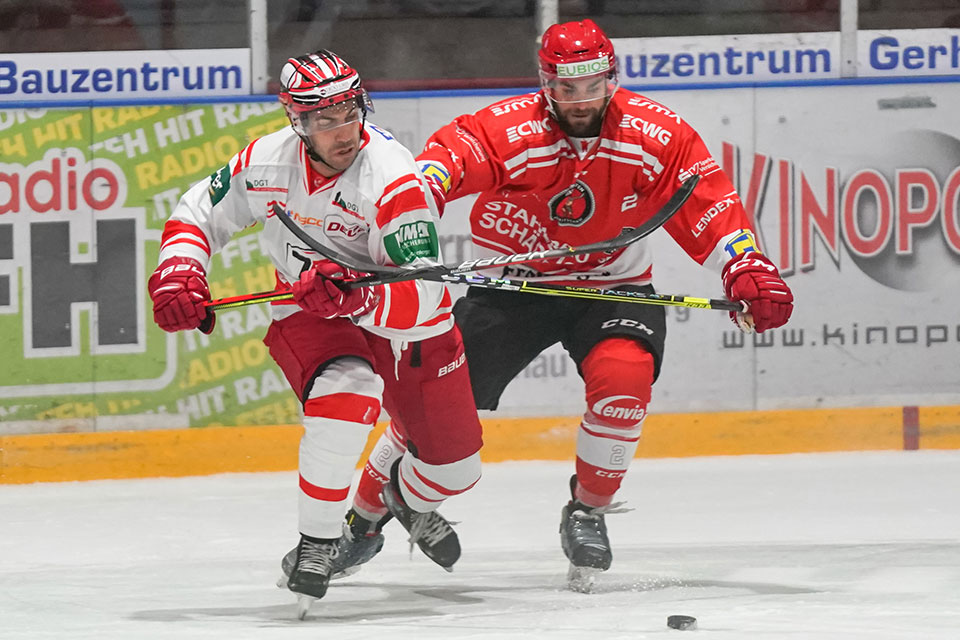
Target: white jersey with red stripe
(540,189)
(376,210)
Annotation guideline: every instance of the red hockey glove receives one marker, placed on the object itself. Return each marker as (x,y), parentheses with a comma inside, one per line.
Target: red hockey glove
(178,289)
(319,291)
(753,278)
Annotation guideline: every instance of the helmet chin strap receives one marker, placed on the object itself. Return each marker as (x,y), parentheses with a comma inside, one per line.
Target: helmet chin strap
(312,154)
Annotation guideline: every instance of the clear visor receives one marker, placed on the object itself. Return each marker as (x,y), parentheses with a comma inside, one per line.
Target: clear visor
(587,88)
(327,119)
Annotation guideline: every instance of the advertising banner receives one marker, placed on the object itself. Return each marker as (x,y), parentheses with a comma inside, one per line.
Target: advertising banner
(728,59)
(855,190)
(908,52)
(84,195)
(785,57)
(111,75)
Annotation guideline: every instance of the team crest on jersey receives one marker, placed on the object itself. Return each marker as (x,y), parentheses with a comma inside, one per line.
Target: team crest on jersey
(573,206)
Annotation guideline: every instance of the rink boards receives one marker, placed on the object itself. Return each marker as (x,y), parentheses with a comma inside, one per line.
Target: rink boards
(865,229)
(209,450)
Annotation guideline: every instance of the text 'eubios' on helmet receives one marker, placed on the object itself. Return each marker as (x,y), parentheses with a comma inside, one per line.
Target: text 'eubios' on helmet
(572,51)
(316,81)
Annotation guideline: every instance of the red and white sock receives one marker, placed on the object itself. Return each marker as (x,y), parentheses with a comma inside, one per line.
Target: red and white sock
(618,374)
(339,413)
(376,473)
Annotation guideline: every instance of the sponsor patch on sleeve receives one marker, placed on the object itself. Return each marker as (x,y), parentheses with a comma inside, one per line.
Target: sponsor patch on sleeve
(742,242)
(436,172)
(411,241)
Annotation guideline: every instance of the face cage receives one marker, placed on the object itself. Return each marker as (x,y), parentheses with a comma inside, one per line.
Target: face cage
(548,83)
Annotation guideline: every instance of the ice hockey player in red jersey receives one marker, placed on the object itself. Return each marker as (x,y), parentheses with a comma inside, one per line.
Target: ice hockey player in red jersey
(575,163)
(345,351)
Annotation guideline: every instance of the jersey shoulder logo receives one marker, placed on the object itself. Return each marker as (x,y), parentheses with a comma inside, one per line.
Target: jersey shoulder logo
(219,184)
(573,206)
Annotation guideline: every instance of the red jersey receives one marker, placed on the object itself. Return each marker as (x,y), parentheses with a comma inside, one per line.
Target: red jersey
(540,189)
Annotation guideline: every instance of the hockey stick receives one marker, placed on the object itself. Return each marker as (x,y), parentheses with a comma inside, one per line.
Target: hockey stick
(523,286)
(244,299)
(382,274)
(462,273)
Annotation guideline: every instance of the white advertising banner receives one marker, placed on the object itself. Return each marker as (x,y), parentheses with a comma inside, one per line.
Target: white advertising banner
(908,52)
(111,75)
(784,57)
(855,190)
(728,59)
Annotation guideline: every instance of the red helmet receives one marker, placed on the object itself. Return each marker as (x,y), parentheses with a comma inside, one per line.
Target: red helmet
(317,81)
(563,45)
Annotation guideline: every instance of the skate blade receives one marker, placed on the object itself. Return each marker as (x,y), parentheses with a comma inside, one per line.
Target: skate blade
(582,579)
(303,605)
(283,580)
(349,571)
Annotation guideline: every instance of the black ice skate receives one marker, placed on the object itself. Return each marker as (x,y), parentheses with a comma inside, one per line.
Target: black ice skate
(310,574)
(361,541)
(583,536)
(430,531)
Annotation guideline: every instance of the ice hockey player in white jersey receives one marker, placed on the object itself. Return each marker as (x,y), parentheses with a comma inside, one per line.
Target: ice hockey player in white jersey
(346,352)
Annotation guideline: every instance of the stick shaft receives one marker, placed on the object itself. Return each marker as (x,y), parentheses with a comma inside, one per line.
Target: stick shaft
(383,274)
(521,286)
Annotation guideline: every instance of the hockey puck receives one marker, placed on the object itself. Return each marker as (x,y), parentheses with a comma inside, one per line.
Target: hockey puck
(684,623)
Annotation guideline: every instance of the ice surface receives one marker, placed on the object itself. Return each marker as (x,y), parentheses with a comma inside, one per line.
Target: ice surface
(852,545)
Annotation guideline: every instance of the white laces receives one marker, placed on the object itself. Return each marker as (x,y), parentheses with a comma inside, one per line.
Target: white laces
(596,512)
(430,527)
(318,558)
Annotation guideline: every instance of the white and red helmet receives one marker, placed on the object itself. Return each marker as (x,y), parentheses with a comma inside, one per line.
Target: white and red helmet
(317,81)
(575,50)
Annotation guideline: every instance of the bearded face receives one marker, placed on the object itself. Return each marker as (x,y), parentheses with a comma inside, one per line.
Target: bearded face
(579,104)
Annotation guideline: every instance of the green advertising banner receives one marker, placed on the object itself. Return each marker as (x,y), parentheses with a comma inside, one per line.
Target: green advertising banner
(84,194)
